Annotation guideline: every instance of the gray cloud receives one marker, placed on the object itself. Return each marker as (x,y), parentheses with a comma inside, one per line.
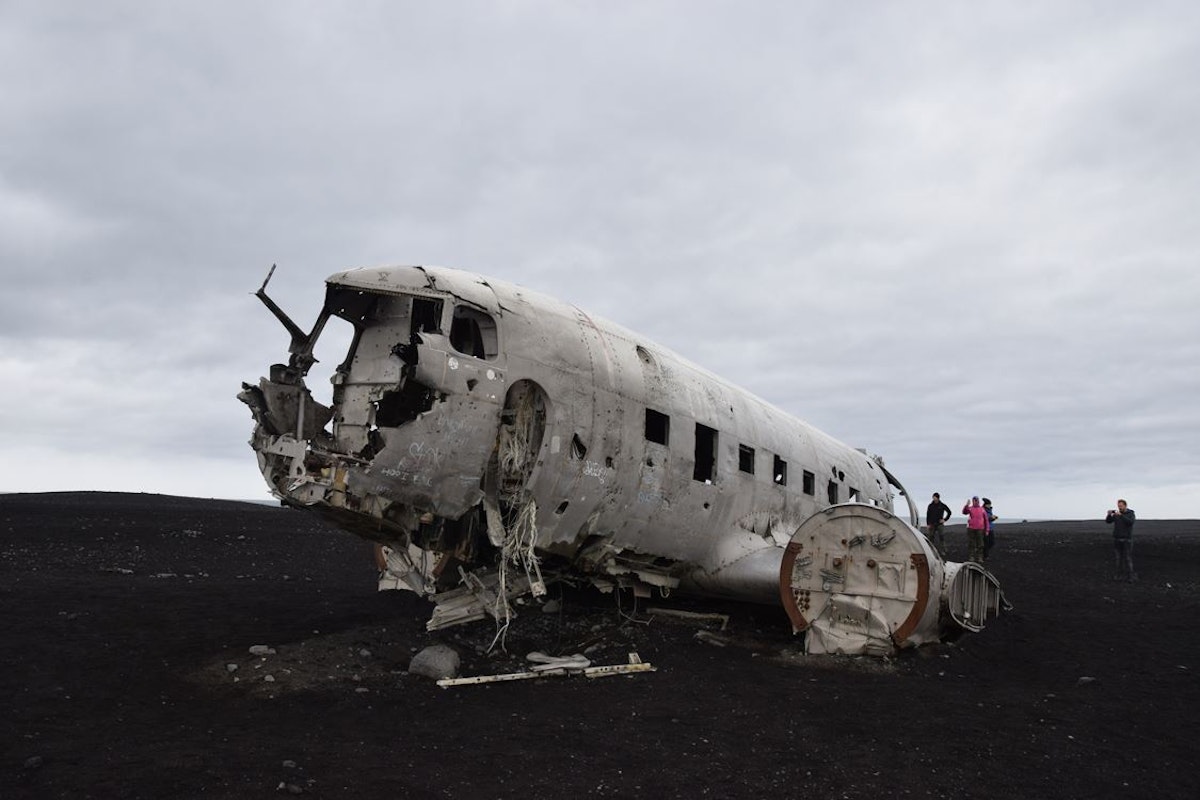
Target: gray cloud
(958,236)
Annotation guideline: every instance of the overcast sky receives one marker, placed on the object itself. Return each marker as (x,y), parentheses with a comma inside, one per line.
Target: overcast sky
(965,236)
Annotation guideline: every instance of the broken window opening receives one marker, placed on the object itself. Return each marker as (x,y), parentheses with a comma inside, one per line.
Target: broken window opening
(853,498)
(378,320)
(344,367)
(745,459)
(706,454)
(810,483)
(355,307)
(658,427)
(375,444)
(426,315)
(395,408)
(336,339)
(352,305)
(780,471)
(473,333)
(833,493)
(379,327)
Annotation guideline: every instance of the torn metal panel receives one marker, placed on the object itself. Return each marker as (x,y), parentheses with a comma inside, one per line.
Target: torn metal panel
(494,439)
(481,595)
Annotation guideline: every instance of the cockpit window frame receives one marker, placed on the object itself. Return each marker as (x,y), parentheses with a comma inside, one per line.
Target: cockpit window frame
(474,332)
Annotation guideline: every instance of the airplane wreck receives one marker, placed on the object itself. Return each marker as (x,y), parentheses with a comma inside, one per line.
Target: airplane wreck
(492,440)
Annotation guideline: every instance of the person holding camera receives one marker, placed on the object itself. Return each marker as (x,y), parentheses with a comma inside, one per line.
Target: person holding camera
(1122,519)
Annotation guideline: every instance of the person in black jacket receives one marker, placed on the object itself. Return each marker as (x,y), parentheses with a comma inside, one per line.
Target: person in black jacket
(935,518)
(1122,519)
(989,538)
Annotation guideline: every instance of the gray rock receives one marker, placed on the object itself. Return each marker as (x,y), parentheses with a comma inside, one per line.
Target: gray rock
(436,661)
(33,763)
(551,606)
(261,650)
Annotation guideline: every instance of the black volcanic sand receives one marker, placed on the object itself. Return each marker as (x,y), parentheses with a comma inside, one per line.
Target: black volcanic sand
(122,612)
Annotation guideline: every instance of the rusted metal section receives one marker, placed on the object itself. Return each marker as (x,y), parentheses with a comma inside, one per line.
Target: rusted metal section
(795,601)
(858,579)
(492,439)
(920,564)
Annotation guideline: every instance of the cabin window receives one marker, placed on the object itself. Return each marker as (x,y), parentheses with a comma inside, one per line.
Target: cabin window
(706,453)
(746,459)
(810,483)
(780,471)
(578,448)
(473,333)
(426,315)
(833,493)
(658,427)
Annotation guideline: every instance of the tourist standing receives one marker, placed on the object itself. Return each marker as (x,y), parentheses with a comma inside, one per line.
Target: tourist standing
(989,538)
(1122,519)
(976,529)
(935,520)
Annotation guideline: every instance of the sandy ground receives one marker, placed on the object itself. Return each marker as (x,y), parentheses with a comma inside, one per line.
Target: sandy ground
(127,622)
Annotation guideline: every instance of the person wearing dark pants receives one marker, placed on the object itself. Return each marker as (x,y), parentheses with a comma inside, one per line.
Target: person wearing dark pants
(976,528)
(935,522)
(989,538)
(1122,519)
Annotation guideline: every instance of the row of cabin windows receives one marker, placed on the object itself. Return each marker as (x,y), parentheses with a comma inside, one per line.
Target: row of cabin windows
(658,430)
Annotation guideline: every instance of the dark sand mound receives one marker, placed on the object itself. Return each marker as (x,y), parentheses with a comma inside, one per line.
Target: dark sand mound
(121,616)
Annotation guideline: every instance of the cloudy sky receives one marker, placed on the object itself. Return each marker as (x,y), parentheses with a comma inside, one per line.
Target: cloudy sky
(965,236)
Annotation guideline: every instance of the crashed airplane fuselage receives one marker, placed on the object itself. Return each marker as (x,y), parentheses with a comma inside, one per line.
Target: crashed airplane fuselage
(492,439)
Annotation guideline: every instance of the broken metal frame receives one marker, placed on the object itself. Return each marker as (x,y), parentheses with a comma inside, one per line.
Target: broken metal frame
(634,666)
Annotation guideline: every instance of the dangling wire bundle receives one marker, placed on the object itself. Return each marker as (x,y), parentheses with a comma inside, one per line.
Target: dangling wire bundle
(511,451)
(520,542)
(520,545)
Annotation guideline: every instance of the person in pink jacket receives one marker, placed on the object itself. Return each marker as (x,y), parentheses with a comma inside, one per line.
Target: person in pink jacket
(977,525)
